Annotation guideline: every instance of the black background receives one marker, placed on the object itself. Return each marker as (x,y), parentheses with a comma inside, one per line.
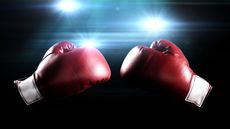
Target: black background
(205,44)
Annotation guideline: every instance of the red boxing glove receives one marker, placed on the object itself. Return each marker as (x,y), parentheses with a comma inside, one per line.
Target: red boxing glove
(63,71)
(165,65)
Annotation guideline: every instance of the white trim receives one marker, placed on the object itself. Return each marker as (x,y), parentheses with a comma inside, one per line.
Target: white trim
(199,89)
(28,90)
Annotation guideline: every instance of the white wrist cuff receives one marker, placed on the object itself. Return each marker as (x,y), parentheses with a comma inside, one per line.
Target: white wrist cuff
(199,89)
(28,90)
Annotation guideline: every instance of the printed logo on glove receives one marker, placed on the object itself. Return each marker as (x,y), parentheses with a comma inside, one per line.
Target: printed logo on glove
(64,71)
(163,64)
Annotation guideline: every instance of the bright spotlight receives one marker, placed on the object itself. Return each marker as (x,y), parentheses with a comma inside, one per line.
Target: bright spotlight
(89,43)
(68,5)
(154,24)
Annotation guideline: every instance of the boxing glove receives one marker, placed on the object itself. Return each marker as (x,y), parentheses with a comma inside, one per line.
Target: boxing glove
(64,71)
(163,64)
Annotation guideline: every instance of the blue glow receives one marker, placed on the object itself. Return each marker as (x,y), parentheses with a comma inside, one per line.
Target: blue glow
(154,24)
(111,24)
(88,43)
(68,5)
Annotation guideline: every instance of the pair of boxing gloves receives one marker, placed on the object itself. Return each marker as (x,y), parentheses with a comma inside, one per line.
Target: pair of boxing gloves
(67,70)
